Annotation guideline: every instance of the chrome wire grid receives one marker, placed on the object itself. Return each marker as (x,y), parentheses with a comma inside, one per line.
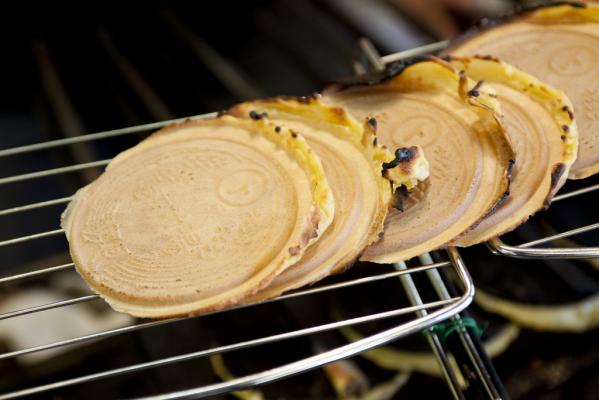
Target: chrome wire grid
(423,314)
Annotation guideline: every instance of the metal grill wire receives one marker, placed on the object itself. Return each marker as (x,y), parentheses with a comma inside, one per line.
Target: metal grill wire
(425,314)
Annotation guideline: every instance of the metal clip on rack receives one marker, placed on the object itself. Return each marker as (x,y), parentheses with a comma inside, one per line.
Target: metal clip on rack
(423,314)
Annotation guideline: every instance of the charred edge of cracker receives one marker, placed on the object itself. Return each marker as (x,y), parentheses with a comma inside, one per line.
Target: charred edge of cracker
(475,91)
(187,122)
(385,174)
(556,175)
(300,99)
(347,266)
(398,200)
(371,79)
(294,251)
(311,232)
(402,155)
(569,111)
(449,58)
(506,193)
(373,123)
(488,23)
(488,58)
(340,112)
(256,116)
(462,84)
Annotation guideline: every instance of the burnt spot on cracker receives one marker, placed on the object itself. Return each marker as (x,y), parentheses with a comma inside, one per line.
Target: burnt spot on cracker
(475,91)
(556,174)
(256,116)
(403,155)
(399,198)
(372,122)
(569,111)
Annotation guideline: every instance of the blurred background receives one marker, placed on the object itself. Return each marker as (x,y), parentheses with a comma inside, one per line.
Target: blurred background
(91,67)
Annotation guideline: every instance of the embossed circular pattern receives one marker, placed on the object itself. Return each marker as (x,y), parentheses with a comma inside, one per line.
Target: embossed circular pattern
(572,60)
(446,195)
(564,58)
(186,220)
(554,56)
(242,188)
(456,152)
(423,129)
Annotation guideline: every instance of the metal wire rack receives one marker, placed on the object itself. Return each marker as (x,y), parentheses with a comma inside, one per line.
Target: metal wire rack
(425,314)
(422,314)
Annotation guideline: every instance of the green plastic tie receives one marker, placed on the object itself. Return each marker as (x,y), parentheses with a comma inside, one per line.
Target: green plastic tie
(444,329)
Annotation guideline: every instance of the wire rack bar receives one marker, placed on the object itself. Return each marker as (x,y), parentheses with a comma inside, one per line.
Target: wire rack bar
(575,193)
(62,303)
(34,206)
(53,171)
(97,136)
(132,328)
(39,272)
(358,281)
(526,250)
(429,48)
(562,235)
(27,238)
(498,247)
(87,338)
(228,348)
